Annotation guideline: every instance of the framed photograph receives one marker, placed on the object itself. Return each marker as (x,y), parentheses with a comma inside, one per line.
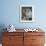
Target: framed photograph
(26,13)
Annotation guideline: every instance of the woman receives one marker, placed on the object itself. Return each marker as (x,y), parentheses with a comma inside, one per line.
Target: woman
(27,14)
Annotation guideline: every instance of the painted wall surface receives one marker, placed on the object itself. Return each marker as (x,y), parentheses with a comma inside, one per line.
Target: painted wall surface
(10,12)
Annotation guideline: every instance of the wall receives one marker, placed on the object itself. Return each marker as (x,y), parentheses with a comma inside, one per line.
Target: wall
(10,13)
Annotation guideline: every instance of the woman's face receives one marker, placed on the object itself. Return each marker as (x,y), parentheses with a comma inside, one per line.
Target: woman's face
(28,12)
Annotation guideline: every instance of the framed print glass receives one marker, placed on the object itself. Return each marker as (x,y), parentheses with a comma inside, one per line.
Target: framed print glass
(26,13)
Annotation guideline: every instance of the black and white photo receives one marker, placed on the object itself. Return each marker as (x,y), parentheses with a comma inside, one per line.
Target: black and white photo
(26,13)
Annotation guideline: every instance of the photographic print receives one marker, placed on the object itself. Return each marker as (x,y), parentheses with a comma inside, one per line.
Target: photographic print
(26,13)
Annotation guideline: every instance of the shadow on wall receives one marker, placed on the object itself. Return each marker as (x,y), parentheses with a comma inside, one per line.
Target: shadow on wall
(2,26)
